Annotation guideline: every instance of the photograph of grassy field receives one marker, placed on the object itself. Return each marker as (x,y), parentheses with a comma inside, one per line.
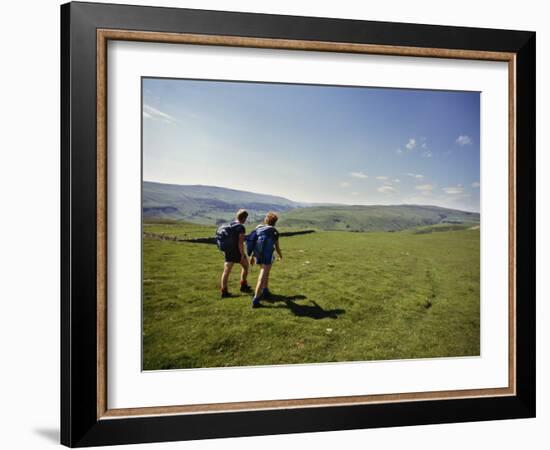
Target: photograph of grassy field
(381,239)
(413,294)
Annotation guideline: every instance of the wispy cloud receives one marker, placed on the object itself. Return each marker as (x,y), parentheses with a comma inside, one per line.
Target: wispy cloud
(386,189)
(415,175)
(396,180)
(426,189)
(475,184)
(153,113)
(345,184)
(463,140)
(410,144)
(359,175)
(427,154)
(454,190)
(381,178)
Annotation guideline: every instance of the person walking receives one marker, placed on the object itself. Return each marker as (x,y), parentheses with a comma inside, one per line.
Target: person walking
(265,246)
(230,238)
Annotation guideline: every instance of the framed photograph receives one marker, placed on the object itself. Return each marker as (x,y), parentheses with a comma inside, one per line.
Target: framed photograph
(276,224)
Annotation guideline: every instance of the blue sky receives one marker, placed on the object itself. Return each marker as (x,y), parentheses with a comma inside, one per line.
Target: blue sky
(327,144)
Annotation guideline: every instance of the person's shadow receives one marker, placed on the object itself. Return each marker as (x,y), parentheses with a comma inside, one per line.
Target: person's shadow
(312,310)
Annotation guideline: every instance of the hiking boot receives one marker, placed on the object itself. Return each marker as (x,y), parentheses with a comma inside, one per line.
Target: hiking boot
(256,303)
(226,294)
(246,288)
(266,294)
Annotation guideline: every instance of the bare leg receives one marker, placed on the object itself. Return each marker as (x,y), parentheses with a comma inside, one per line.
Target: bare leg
(266,279)
(244,270)
(260,284)
(262,279)
(225,275)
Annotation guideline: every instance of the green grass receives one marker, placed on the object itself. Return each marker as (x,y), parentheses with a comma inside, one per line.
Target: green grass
(374,217)
(341,297)
(445,227)
(180,230)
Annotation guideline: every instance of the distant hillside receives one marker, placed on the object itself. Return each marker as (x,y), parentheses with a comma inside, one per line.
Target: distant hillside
(374,218)
(206,204)
(210,205)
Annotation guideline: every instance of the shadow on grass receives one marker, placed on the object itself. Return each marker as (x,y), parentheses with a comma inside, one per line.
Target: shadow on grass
(313,310)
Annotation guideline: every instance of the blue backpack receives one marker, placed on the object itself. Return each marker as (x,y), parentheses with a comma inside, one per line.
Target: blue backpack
(260,241)
(226,238)
(251,240)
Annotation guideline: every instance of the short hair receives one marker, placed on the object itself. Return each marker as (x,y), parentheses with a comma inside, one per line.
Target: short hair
(242,214)
(271,218)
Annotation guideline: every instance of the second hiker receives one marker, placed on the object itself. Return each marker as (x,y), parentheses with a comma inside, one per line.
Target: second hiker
(263,242)
(230,239)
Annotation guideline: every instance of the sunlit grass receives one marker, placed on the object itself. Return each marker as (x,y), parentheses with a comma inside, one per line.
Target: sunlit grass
(341,297)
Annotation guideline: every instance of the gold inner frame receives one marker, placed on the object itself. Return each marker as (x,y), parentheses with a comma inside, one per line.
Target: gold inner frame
(104,35)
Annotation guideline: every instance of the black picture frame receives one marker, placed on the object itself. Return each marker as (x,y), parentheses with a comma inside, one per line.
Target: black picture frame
(80,425)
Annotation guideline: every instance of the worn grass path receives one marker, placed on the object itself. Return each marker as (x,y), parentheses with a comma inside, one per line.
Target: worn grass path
(341,296)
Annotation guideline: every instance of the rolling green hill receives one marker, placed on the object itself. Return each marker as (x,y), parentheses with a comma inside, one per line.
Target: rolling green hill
(206,204)
(210,205)
(374,218)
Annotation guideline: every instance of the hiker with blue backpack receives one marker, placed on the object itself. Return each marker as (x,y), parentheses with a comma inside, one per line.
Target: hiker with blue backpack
(230,239)
(262,244)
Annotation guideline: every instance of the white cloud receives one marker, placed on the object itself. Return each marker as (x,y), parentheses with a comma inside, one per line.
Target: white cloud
(153,113)
(344,184)
(381,178)
(359,175)
(454,190)
(425,187)
(475,184)
(397,180)
(463,140)
(411,144)
(386,189)
(415,175)
(399,151)
(427,154)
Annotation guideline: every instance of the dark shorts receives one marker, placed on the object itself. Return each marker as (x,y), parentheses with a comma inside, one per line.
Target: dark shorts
(266,258)
(233,255)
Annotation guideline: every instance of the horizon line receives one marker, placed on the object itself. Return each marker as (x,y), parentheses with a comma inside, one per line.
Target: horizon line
(313,203)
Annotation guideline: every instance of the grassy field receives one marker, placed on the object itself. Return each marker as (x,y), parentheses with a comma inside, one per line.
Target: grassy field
(374,217)
(340,296)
